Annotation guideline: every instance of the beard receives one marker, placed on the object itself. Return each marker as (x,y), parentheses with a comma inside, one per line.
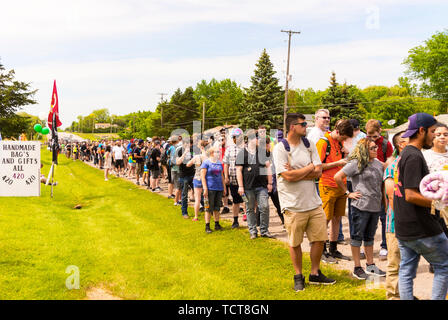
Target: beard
(427,145)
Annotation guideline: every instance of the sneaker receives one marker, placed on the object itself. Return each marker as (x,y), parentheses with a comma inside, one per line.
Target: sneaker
(299,282)
(359,273)
(253,236)
(383,254)
(171,196)
(267,235)
(208,230)
(185,216)
(176,203)
(362,255)
(244,217)
(225,210)
(327,258)
(431,268)
(343,242)
(106,179)
(217,227)
(229,202)
(138,183)
(374,270)
(338,255)
(179,203)
(201,209)
(235,225)
(321,279)
(195,219)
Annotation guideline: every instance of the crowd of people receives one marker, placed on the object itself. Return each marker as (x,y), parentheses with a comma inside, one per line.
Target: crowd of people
(312,177)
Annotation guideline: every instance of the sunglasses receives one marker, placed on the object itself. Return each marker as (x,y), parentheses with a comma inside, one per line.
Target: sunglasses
(303,124)
(325,118)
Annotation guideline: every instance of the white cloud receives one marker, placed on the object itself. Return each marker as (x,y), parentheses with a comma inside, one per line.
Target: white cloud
(130,85)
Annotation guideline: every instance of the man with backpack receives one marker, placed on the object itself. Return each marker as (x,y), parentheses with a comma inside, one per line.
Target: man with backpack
(297,165)
(334,199)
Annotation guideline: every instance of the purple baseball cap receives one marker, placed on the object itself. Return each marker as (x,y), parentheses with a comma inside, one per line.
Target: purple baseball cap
(418,120)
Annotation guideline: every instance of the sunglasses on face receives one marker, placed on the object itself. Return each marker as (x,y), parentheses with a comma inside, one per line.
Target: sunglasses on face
(303,124)
(325,118)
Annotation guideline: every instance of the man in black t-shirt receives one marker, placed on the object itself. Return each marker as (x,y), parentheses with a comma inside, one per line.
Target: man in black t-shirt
(255,181)
(154,166)
(418,231)
(186,174)
(139,158)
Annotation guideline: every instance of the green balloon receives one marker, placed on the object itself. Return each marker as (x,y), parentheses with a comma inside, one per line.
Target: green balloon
(45,130)
(37,127)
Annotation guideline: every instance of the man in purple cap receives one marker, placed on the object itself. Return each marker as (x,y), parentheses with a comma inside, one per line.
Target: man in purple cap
(419,232)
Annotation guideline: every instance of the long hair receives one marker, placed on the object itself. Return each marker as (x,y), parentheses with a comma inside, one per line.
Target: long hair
(361,154)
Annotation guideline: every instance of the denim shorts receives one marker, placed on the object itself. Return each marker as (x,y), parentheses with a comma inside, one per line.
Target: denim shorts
(197,183)
(364,227)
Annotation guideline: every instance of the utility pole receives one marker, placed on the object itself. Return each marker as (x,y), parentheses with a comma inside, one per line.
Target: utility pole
(203,116)
(289,32)
(161,108)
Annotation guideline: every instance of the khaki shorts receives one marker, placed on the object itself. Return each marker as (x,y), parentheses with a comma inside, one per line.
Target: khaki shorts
(140,168)
(333,201)
(312,222)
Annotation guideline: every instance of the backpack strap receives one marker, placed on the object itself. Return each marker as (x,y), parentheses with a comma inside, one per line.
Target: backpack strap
(328,149)
(384,147)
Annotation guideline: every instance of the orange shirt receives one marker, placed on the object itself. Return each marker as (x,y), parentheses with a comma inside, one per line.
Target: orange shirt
(327,178)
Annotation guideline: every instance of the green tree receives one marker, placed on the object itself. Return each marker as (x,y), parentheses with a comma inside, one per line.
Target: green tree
(428,64)
(263,101)
(13,96)
(343,101)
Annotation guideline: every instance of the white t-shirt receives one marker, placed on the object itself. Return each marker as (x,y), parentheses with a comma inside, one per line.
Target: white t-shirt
(435,161)
(315,134)
(301,195)
(118,152)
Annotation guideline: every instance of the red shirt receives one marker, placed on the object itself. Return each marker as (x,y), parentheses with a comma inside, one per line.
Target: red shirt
(379,152)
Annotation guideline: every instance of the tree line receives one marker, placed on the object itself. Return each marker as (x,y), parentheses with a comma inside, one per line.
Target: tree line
(423,88)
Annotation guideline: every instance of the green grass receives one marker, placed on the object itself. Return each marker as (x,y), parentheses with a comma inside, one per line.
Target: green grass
(136,244)
(96,136)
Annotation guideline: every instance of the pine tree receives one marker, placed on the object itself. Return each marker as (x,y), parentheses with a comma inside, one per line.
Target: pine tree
(263,101)
(343,101)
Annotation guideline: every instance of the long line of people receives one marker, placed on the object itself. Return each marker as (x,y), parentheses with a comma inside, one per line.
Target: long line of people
(310,177)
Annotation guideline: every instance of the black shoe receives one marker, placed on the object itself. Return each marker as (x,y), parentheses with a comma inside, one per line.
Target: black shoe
(235,225)
(229,202)
(208,230)
(338,255)
(321,279)
(217,227)
(201,209)
(342,242)
(359,273)
(171,196)
(225,210)
(299,282)
(431,268)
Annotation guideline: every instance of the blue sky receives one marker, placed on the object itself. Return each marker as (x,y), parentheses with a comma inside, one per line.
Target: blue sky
(120,54)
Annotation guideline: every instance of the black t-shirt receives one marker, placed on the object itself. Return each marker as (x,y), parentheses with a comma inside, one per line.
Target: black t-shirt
(185,171)
(154,164)
(412,222)
(253,175)
(138,151)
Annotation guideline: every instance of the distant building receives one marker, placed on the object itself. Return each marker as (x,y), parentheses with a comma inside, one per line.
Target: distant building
(104,125)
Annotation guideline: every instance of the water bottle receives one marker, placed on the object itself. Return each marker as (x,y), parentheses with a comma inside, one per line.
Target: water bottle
(206,203)
(244,197)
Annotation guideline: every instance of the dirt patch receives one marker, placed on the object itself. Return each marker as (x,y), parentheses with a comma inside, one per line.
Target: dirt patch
(100,294)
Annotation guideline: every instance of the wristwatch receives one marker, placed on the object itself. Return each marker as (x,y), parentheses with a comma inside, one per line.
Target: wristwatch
(347,193)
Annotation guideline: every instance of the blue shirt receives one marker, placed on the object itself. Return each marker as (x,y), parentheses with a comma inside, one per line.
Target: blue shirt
(214,175)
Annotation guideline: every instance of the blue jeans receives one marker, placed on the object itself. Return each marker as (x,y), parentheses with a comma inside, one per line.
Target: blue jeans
(261,196)
(435,251)
(185,182)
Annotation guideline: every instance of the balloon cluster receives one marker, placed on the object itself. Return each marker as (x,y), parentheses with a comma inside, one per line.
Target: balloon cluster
(38,128)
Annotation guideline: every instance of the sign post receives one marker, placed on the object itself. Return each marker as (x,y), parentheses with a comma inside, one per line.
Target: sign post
(19,168)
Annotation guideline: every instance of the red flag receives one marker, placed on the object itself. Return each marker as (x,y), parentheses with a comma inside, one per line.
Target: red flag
(54,108)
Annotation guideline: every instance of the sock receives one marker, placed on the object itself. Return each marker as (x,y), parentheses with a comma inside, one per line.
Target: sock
(207,225)
(216,223)
(325,246)
(333,246)
(235,219)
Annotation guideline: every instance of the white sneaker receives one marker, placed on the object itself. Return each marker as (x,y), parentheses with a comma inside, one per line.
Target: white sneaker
(106,179)
(383,254)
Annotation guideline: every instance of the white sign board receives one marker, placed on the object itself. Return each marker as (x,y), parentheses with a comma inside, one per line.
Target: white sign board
(19,168)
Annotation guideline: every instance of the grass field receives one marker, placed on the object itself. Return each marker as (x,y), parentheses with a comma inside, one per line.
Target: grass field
(97,136)
(137,245)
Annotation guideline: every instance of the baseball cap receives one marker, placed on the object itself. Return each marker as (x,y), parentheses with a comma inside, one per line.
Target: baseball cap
(418,120)
(140,141)
(355,123)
